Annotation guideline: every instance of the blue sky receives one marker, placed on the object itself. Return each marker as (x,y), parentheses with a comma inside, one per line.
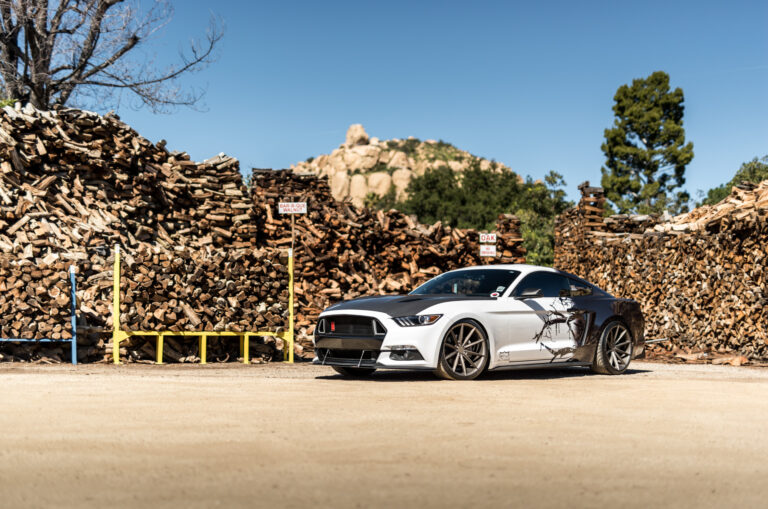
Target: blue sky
(529,84)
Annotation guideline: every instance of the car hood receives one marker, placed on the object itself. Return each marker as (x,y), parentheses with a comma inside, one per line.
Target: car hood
(399,305)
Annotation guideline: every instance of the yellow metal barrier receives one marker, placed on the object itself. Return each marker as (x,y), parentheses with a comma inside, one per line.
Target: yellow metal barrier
(119,335)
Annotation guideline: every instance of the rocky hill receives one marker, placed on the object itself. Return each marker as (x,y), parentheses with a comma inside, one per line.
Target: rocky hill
(364,164)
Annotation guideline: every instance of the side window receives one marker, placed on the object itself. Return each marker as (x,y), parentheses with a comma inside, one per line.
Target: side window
(550,284)
(579,289)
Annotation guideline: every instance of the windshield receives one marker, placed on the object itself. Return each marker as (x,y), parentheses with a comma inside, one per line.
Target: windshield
(470,282)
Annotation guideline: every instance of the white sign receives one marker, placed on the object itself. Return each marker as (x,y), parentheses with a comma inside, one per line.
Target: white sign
(487,238)
(295,207)
(487,250)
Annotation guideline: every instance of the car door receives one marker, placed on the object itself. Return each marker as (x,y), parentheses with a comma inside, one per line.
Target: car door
(540,330)
(582,315)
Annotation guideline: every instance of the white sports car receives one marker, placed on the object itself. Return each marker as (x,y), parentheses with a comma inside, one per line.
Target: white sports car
(467,321)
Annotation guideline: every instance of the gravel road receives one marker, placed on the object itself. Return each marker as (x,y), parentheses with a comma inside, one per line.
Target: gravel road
(300,436)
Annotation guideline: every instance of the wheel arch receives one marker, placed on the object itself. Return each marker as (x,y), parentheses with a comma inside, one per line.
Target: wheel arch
(478,320)
(599,363)
(622,320)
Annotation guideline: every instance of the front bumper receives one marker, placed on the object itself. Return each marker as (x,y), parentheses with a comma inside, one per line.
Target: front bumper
(366,352)
(365,359)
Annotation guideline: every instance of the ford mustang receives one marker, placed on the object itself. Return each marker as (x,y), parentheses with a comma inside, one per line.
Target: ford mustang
(468,321)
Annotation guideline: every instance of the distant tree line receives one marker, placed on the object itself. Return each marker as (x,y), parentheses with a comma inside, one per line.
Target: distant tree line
(475,198)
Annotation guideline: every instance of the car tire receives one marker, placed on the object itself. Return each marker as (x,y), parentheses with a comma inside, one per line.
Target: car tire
(354,372)
(614,349)
(465,343)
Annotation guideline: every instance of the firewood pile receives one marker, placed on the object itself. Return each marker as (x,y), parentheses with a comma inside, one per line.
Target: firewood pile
(342,252)
(700,276)
(34,300)
(209,290)
(73,184)
(198,255)
(71,181)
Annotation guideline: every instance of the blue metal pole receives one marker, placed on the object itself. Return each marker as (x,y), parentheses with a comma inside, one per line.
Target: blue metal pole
(74,314)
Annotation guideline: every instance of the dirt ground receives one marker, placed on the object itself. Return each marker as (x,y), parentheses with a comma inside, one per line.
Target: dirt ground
(300,436)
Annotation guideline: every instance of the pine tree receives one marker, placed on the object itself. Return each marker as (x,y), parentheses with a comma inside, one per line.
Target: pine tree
(645,150)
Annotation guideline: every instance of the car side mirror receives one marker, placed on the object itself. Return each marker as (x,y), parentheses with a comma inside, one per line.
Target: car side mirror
(530,293)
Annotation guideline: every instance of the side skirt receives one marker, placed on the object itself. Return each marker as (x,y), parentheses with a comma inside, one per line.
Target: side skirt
(537,365)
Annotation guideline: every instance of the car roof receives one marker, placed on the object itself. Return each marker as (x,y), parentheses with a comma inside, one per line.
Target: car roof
(526,269)
(523,268)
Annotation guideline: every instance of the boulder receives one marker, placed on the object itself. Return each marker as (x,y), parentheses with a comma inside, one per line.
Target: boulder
(379,182)
(420,167)
(336,161)
(358,189)
(361,157)
(320,161)
(356,135)
(400,179)
(398,160)
(352,168)
(340,185)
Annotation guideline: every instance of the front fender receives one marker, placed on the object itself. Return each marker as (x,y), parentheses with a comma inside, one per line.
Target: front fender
(435,354)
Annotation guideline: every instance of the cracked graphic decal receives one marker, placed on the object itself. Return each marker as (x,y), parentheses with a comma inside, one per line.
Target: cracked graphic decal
(575,321)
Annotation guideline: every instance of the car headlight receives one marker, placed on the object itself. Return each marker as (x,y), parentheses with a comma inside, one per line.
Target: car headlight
(412,321)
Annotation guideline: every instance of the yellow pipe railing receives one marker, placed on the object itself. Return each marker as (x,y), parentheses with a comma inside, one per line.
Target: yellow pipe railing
(119,335)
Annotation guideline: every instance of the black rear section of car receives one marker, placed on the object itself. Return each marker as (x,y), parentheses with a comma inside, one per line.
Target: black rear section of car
(349,340)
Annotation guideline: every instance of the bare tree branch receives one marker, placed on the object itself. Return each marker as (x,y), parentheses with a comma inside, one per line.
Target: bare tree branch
(70,51)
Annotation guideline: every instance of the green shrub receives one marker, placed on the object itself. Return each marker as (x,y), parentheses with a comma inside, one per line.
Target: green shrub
(475,198)
(408,147)
(754,171)
(441,151)
(386,202)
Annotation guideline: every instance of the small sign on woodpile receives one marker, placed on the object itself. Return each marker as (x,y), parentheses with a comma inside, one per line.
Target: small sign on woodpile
(487,250)
(487,238)
(295,207)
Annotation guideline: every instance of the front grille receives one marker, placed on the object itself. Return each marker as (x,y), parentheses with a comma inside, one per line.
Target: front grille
(351,325)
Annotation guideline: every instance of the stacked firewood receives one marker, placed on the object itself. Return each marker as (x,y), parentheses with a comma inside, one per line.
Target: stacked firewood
(210,290)
(73,184)
(34,300)
(700,277)
(342,252)
(198,255)
(71,181)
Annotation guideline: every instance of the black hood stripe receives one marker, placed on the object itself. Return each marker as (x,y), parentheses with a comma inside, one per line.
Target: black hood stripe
(400,305)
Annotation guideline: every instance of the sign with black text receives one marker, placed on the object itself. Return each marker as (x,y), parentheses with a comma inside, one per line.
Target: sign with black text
(295,207)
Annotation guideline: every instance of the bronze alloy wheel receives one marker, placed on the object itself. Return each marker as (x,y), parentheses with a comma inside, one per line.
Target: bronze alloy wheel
(614,350)
(464,352)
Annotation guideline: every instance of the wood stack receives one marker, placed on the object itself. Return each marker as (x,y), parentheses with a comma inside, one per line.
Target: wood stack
(343,252)
(700,277)
(73,184)
(210,290)
(34,301)
(72,181)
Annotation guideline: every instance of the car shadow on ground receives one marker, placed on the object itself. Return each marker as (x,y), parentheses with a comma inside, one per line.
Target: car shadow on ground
(511,374)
